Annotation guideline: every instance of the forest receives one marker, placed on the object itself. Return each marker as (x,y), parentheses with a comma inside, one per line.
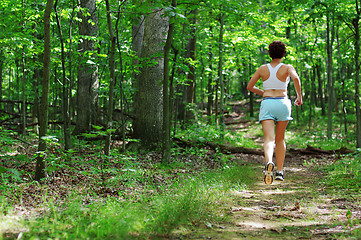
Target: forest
(132,120)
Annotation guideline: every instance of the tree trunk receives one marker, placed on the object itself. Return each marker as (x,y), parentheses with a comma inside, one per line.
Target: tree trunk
(342,77)
(43,118)
(321,98)
(220,72)
(112,80)
(191,77)
(1,74)
(88,83)
(166,103)
(23,97)
(210,80)
(137,44)
(122,96)
(66,106)
(330,90)
(149,101)
(356,26)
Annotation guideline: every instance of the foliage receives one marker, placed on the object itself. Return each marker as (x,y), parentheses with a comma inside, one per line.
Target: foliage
(344,174)
(187,202)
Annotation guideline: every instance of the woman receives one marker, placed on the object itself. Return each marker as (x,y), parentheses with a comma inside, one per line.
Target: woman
(275,106)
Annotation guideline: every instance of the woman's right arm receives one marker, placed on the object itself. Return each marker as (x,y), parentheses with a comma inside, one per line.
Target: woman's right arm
(297,82)
(251,84)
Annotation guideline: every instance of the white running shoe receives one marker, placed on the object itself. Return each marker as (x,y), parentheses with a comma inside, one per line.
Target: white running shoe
(268,173)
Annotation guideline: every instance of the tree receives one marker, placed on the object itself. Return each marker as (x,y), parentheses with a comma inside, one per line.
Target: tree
(88,82)
(149,100)
(356,26)
(112,78)
(43,118)
(166,90)
(65,82)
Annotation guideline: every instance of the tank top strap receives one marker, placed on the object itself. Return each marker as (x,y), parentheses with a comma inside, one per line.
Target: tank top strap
(273,70)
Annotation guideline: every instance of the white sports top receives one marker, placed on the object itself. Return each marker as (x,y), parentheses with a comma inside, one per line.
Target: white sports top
(273,82)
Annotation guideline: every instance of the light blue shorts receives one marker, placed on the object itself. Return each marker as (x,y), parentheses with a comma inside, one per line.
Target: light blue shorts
(277,109)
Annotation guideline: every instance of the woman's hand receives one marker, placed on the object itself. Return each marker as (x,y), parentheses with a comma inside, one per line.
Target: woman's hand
(298,102)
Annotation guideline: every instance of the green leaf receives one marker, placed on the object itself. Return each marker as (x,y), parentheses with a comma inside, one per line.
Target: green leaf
(2,169)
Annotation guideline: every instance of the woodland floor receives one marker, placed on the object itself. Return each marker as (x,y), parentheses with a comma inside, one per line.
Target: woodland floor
(298,208)
(301,207)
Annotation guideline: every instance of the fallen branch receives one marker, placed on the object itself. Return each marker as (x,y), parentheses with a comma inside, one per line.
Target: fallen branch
(256,151)
(221,147)
(318,151)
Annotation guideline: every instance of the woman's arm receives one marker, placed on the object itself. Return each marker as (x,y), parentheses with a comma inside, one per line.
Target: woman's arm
(296,80)
(251,84)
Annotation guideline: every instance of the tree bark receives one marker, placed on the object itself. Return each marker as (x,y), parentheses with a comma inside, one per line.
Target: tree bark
(149,101)
(66,104)
(1,74)
(210,80)
(356,26)
(330,83)
(112,79)
(43,118)
(88,83)
(191,77)
(321,98)
(220,72)
(166,102)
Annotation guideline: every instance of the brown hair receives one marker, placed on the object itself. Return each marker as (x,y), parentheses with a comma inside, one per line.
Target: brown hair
(277,49)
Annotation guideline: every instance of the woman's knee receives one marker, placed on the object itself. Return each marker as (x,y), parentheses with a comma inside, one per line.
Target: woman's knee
(280,140)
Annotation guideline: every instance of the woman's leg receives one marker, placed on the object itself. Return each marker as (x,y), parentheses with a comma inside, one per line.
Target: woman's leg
(280,148)
(268,127)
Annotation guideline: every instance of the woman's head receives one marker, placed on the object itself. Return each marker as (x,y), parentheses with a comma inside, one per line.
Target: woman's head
(277,49)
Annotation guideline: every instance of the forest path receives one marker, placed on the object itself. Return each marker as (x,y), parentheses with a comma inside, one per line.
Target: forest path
(298,208)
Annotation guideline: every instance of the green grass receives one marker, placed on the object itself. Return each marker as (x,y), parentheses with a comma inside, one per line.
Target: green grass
(192,200)
(345,174)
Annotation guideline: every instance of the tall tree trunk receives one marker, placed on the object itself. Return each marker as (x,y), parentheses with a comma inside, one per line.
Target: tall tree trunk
(88,83)
(330,90)
(43,118)
(66,106)
(220,72)
(1,74)
(356,26)
(191,77)
(321,98)
(112,79)
(342,77)
(210,80)
(23,97)
(122,95)
(166,103)
(149,101)
(137,44)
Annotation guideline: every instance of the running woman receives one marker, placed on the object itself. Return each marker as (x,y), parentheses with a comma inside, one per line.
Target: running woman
(275,110)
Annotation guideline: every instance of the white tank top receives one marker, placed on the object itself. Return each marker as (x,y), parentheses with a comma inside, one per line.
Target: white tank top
(273,82)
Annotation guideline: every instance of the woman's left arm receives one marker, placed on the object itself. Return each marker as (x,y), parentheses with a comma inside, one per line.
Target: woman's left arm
(251,84)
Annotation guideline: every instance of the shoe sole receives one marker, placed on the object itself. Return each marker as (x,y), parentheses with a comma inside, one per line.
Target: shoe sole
(268,176)
(279,179)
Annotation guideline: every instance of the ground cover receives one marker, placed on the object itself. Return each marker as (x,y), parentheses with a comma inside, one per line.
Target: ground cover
(203,194)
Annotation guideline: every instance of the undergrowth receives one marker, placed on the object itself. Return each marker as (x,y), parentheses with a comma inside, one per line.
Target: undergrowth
(345,174)
(189,202)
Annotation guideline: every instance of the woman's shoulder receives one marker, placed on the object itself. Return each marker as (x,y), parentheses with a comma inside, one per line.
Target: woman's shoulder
(288,65)
(263,67)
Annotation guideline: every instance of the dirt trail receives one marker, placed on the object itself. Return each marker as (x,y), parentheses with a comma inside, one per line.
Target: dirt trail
(298,208)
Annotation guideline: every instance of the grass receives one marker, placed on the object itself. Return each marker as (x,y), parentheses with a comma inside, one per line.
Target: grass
(134,196)
(126,196)
(186,203)
(345,174)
